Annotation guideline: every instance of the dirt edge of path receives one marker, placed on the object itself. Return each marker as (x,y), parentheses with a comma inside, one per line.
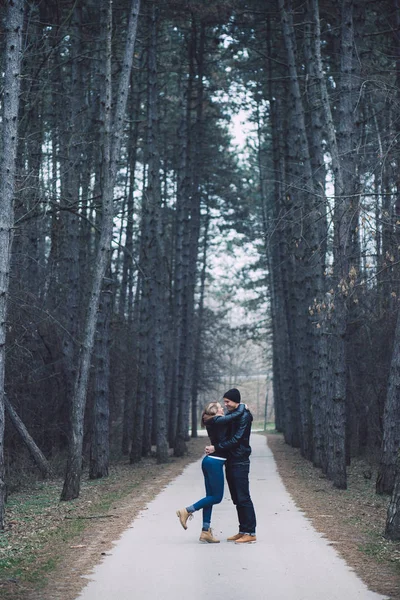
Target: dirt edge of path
(352,520)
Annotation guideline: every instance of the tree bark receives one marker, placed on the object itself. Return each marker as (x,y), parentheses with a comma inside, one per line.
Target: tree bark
(392,530)
(198,329)
(305,267)
(391,423)
(190,237)
(10,104)
(278,235)
(318,353)
(142,404)
(157,281)
(37,455)
(195,222)
(67,303)
(341,148)
(343,154)
(100,442)
(177,432)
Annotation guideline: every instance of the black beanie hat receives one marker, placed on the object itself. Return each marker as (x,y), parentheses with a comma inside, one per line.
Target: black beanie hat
(233,395)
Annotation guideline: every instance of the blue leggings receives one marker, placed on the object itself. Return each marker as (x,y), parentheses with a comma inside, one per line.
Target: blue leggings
(213,471)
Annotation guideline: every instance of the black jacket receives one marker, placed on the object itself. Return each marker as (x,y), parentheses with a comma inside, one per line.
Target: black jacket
(237,440)
(217,429)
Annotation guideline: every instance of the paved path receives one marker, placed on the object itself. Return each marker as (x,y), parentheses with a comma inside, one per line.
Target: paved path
(156,559)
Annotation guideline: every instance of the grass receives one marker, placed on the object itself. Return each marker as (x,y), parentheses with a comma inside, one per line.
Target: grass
(37,520)
(381,549)
(33,521)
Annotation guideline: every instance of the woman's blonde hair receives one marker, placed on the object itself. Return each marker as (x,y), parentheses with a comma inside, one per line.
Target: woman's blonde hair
(210,410)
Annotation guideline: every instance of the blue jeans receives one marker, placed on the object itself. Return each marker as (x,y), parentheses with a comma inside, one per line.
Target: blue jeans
(213,471)
(237,476)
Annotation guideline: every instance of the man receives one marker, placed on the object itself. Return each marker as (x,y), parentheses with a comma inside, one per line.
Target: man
(238,468)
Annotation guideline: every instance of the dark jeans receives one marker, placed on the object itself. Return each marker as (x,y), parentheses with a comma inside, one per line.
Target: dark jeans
(237,476)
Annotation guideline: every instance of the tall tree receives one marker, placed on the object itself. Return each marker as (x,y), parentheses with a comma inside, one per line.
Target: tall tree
(12,70)
(391,420)
(157,279)
(392,529)
(188,229)
(100,441)
(306,264)
(343,270)
(391,423)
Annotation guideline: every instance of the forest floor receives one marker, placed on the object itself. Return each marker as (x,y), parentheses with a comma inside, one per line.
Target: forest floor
(48,545)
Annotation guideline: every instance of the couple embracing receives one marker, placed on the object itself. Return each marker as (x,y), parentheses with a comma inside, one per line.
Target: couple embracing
(229,434)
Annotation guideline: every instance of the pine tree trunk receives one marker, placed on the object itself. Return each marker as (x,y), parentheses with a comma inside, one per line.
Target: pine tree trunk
(12,68)
(100,442)
(319,341)
(37,455)
(177,429)
(28,245)
(391,423)
(392,530)
(124,376)
(344,170)
(306,271)
(190,240)
(283,380)
(142,405)
(157,281)
(195,219)
(142,402)
(341,147)
(395,210)
(67,297)
(316,131)
(198,329)
(131,366)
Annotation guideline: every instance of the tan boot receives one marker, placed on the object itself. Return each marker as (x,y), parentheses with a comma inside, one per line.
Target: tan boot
(183,516)
(207,537)
(246,539)
(233,538)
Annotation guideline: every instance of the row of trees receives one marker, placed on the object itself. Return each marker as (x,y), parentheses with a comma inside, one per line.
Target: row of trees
(121,168)
(324,83)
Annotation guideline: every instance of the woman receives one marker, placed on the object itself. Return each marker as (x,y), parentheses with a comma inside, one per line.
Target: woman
(212,466)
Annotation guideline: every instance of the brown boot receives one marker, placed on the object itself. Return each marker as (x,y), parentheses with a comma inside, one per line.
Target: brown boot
(207,537)
(233,538)
(183,516)
(246,539)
